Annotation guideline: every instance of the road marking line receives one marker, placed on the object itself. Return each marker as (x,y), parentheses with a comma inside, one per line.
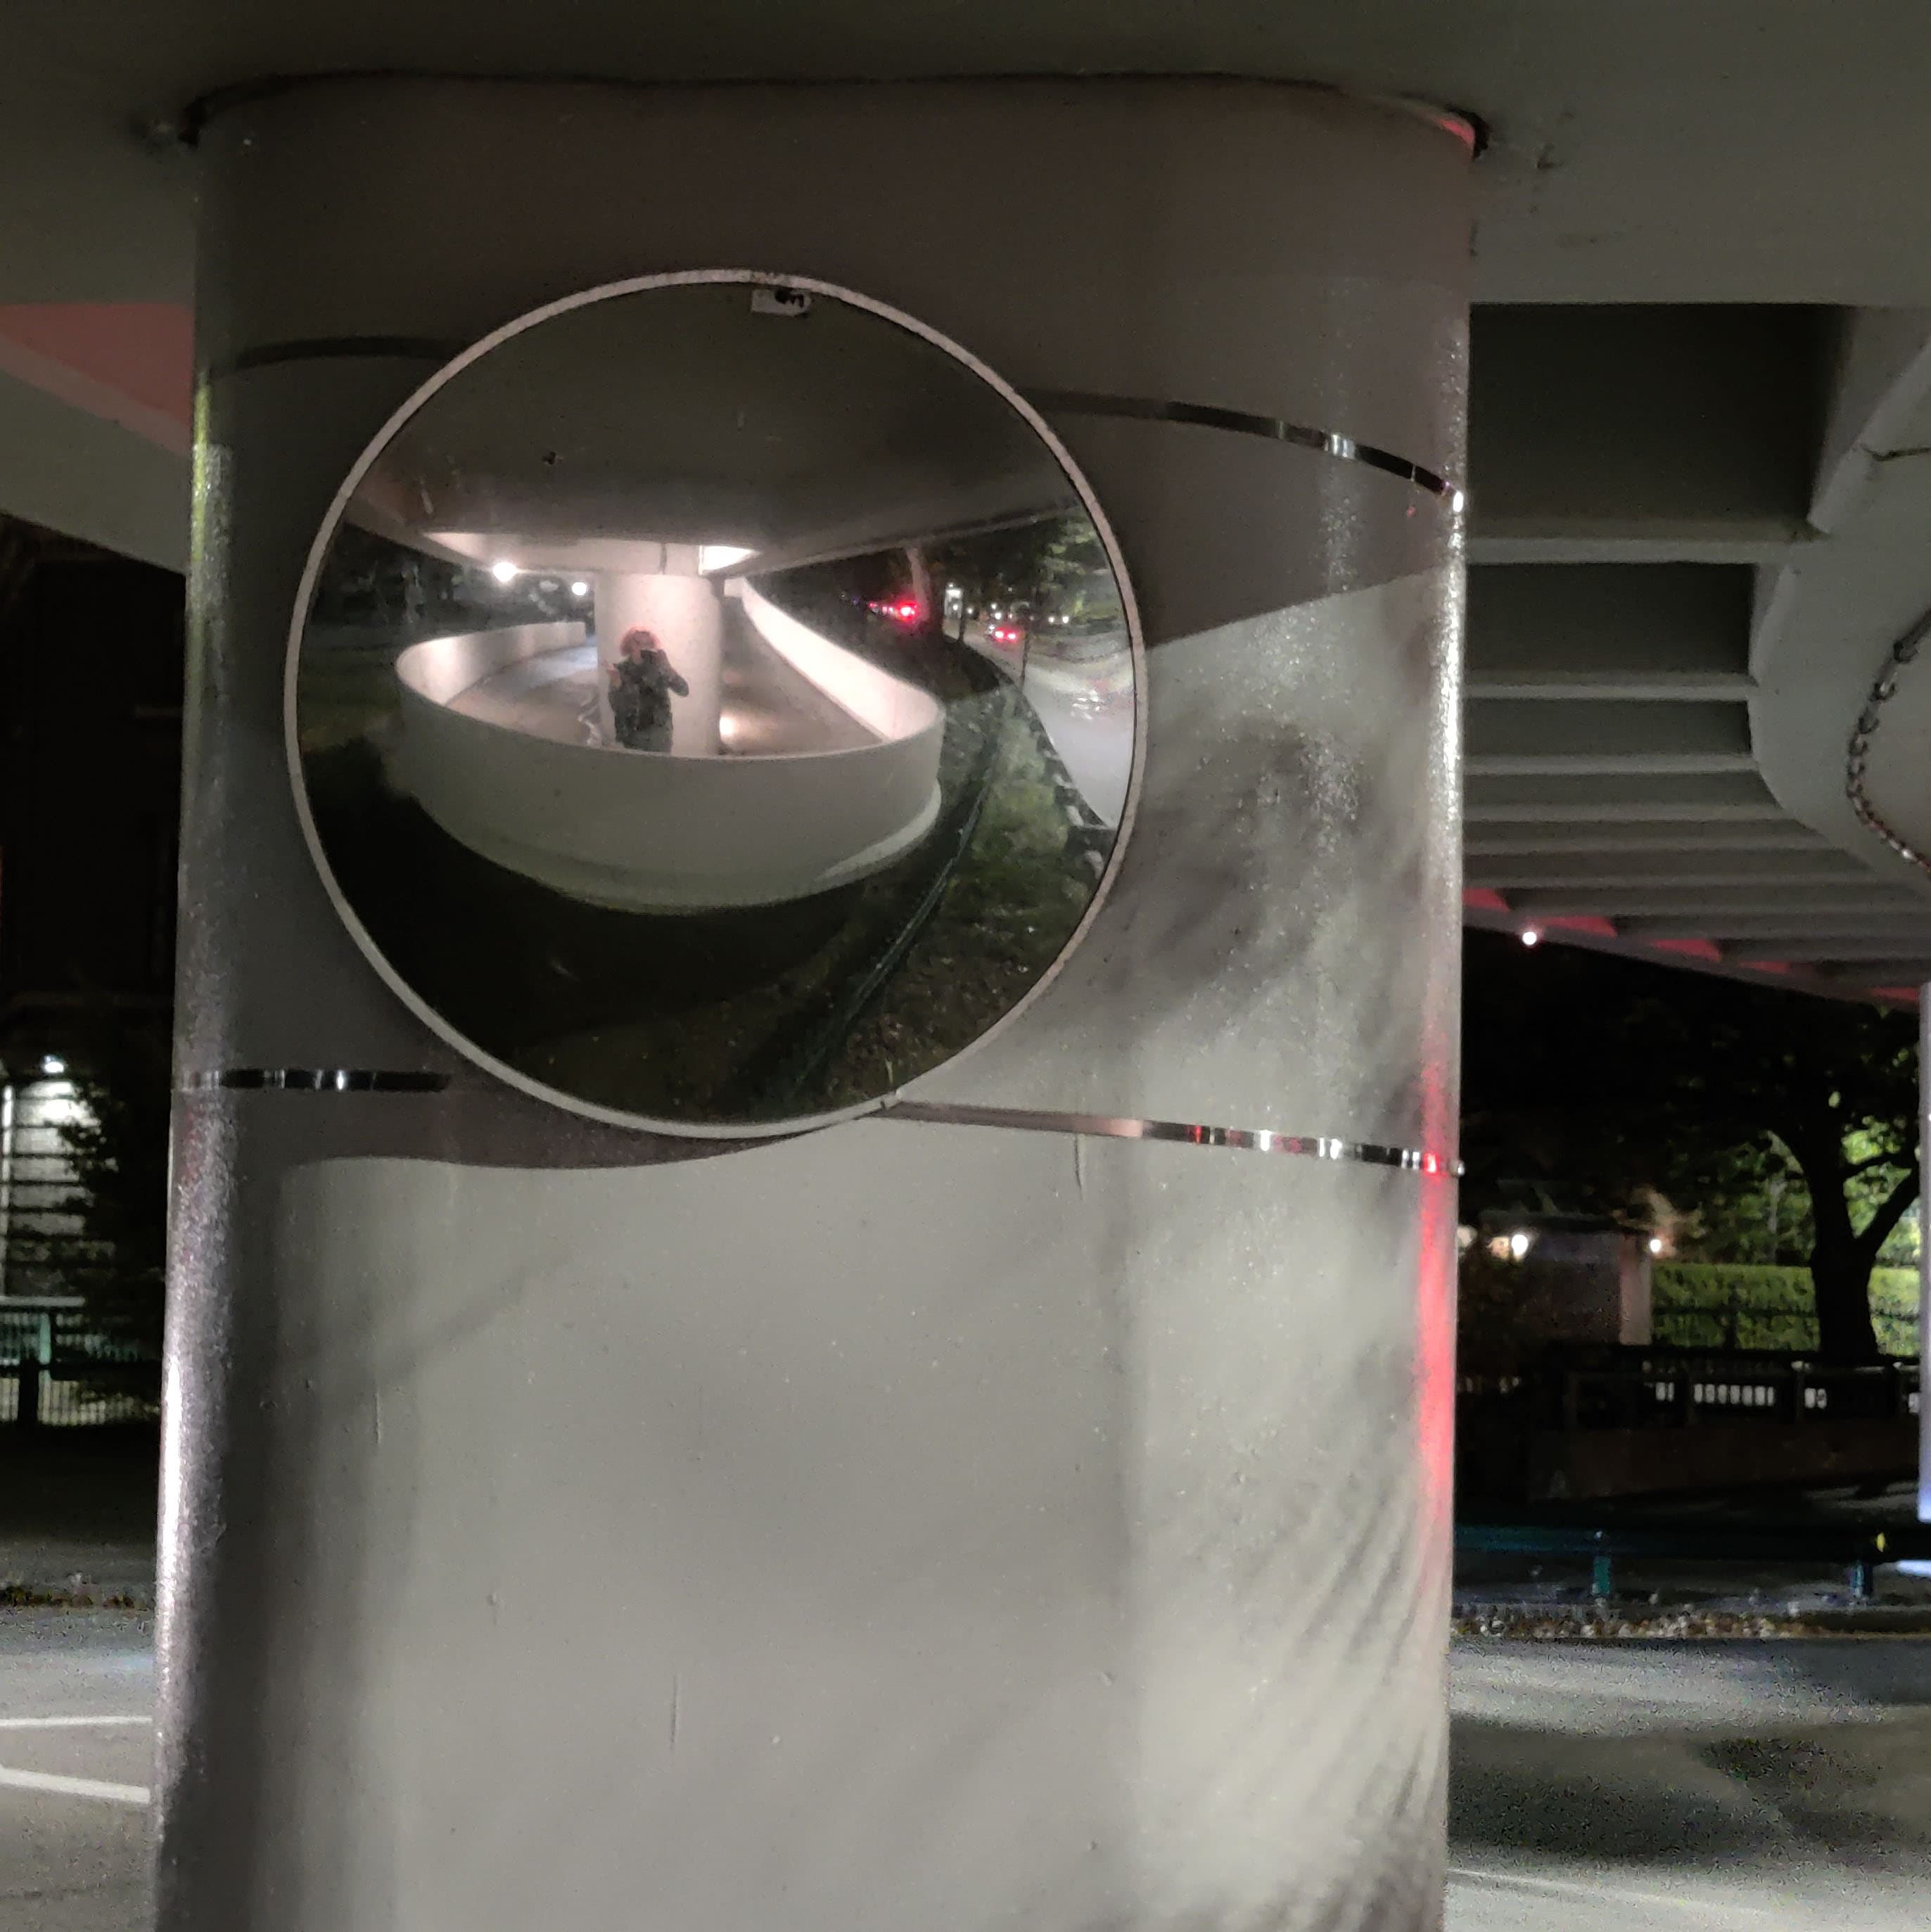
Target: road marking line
(74,1787)
(1572,1888)
(66,1723)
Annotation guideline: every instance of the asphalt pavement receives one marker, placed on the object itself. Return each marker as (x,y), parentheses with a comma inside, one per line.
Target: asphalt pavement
(77,1752)
(1672,1786)
(1595,1787)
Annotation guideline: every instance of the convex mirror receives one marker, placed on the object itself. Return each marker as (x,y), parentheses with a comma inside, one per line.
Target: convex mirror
(714,703)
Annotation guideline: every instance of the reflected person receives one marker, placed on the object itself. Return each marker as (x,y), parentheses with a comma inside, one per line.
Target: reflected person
(642,681)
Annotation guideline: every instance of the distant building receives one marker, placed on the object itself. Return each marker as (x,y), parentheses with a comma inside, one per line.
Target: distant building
(1588,1278)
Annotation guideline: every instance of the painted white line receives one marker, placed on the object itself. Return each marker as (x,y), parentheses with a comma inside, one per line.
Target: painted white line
(1572,1888)
(66,1724)
(74,1787)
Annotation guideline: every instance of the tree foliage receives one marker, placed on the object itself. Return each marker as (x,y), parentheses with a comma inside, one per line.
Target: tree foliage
(118,1143)
(1596,1084)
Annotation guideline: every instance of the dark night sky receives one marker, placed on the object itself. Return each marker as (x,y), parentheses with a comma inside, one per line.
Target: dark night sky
(91,679)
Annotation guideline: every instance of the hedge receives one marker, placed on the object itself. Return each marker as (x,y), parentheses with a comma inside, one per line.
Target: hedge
(1695,1302)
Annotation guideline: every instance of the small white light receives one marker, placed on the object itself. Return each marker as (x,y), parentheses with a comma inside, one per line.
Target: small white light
(1518,1244)
(1531,936)
(579,588)
(52,1064)
(503,571)
(1655,1244)
(727,728)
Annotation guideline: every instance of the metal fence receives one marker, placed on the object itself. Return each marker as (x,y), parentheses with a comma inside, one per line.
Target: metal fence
(1605,1387)
(1859,1549)
(57,1371)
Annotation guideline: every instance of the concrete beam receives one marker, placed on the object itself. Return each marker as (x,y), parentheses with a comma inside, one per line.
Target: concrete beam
(1664,630)
(1523,738)
(1912,971)
(1709,905)
(1664,687)
(1641,869)
(1631,541)
(1880,364)
(1898,928)
(1489,841)
(1887,948)
(69,470)
(1614,421)
(1619,798)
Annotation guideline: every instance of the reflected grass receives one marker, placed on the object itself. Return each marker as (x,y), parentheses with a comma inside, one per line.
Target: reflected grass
(744,1016)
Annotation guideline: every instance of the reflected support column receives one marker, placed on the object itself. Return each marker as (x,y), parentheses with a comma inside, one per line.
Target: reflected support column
(685,612)
(1031,1507)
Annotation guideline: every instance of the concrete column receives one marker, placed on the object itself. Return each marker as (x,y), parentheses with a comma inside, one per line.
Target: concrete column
(1033,1508)
(685,613)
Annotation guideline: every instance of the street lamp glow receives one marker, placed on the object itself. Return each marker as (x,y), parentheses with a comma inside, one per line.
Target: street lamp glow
(1518,1245)
(1655,1244)
(1531,936)
(503,571)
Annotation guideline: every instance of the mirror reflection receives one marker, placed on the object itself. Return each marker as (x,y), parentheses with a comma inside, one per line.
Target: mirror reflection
(714,703)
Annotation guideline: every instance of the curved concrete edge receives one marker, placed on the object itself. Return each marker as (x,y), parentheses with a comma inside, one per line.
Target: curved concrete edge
(1827,616)
(638,831)
(619,890)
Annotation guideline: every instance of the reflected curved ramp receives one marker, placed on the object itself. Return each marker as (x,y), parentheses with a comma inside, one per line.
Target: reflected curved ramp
(500,747)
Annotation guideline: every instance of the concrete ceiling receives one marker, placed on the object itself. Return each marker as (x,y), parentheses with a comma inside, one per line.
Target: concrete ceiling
(1697,531)
(682,414)
(1701,499)
(1729,151)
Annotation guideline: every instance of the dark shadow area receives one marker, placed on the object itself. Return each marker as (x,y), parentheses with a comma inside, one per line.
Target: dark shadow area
(1608,1798)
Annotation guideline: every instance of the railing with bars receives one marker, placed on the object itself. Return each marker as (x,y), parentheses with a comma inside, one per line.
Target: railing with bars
(1589,1387)
(57,1370)
(1858,1550)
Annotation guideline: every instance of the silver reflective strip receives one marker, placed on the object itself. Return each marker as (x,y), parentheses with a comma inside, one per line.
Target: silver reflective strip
(1256,1140)
(1203,415)
(317,1080)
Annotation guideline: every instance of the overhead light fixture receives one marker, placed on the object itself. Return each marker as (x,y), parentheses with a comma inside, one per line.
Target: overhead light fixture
(1531,936)
(52,1064)
(503,571)
(579,588)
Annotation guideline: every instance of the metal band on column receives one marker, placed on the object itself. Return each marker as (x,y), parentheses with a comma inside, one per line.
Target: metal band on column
(1243,422)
